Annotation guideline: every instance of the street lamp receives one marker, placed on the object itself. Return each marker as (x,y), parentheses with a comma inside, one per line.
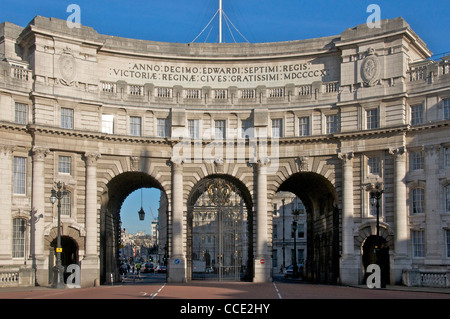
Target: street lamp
(375,196)
(58,270)
(295,214)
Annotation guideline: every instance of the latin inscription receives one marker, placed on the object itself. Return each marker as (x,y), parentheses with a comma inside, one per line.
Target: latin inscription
(172,73)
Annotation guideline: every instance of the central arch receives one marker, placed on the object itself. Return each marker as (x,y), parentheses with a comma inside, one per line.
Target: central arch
(323,224)
(220,207)
(117,190)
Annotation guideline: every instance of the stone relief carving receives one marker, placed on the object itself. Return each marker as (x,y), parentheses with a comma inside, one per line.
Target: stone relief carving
(67,67)
(370,68)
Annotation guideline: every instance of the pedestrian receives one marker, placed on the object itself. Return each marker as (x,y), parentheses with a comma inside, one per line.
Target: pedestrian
(138,269)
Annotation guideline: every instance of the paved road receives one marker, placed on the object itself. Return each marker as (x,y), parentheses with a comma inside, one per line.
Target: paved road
(153,286)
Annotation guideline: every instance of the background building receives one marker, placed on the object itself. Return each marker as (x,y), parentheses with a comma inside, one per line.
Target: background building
(283,233)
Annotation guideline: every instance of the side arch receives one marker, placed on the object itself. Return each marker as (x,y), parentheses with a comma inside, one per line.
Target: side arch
(119,177)
(320,198)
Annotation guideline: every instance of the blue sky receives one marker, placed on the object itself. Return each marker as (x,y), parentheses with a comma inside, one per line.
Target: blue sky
(258,20)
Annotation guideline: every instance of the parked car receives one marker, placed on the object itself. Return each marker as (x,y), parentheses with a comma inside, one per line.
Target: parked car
(289,272)
(149,268)
(162,269)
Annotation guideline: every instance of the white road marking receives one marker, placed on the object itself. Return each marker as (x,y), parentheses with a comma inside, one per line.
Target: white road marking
(278,292)
(153,295)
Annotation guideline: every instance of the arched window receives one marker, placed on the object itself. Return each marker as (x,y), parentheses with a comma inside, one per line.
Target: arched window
(19,228)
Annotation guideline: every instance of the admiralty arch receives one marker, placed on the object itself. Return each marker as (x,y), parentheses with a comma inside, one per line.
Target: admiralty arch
(332,120)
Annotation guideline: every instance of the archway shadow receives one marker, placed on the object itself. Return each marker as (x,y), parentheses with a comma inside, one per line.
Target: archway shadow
(323,224)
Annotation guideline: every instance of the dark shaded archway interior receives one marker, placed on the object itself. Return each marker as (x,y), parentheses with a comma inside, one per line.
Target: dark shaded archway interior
(118,189)
(323,224)
(244,193)
(375,250)
(69,254)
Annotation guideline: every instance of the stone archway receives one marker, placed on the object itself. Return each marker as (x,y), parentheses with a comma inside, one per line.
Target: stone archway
(117,190)
(70,251)
(375,250)
(220,231)
(323,224)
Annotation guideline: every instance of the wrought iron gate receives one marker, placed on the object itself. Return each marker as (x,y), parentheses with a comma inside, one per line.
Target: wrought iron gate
(219,233)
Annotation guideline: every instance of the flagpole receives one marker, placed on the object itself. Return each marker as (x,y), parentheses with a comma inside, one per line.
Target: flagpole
(220,21)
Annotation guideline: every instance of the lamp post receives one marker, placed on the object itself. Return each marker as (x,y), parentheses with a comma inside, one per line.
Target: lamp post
(58,270)
(375,196)
(295,214)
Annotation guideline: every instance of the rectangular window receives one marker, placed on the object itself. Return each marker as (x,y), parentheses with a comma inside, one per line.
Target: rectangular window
(446,109)
(20,173)
(274,258)
(65,204)
(161,128)
(417,161)
(301,256)
(374,164)
(418,241)
(447,157)
(21,113)
(220,129)
(303,126)
(447,198)
(448,243)
(194,129)
(246,129)
(277,128)
(67,118)
(418,198)
(135,126)
(108,123)
(373,208)
(64,164)
(416,114)
(19,227)
(372,119)
(300,230)
(332,124)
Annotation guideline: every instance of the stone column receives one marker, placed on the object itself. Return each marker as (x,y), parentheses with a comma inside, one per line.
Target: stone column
(6,191)
(349,264)
(177,258)
(90,265)
(38,204)
(400,215)
(263,261)
(433,231)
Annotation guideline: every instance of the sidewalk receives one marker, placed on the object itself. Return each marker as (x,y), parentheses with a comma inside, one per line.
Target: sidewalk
(279,277)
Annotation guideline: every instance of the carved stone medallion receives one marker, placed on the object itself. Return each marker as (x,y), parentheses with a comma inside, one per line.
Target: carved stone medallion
(67,67)
(370,68)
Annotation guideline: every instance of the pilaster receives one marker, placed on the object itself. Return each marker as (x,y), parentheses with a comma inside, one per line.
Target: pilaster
(38,205)
(6,169)
(433,231)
